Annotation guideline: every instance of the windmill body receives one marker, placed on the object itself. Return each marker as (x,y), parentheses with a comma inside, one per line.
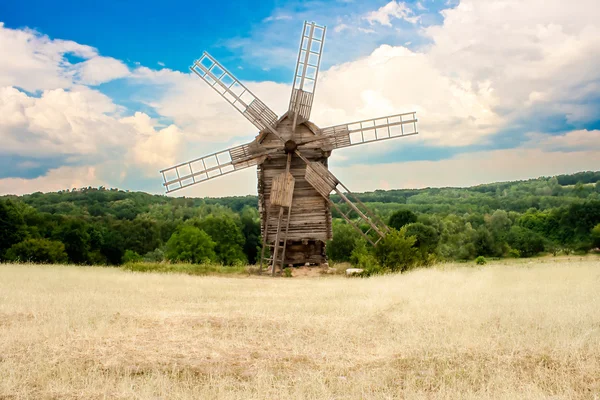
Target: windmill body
(310,216)
(291,153)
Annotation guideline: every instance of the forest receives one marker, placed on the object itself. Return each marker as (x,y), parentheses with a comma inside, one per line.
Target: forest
(100,226)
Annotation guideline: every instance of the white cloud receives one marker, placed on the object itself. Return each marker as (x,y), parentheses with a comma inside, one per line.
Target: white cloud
(393,9)
(491,64)
(535,53)
(57,122)
(277,18)
(467,169)
(99,69)
(340,28)
(154,149)
(37,62)
(574,140)
(56,179)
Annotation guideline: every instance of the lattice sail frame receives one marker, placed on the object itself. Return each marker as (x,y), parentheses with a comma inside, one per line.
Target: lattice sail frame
(307,70)
(232,90)
(212,166)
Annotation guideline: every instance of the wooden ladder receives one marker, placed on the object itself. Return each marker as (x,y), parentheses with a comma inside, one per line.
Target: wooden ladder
(282,193)
(276,252)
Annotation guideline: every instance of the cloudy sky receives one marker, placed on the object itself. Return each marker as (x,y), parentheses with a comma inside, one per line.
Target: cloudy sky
(102,95)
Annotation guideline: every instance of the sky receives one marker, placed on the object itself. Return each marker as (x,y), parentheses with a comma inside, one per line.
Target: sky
(100,93)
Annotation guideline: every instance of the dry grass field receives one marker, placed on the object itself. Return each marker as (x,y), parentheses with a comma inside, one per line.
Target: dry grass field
(528,331)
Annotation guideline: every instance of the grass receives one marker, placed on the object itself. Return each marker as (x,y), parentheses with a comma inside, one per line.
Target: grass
(186,268)
(526,331)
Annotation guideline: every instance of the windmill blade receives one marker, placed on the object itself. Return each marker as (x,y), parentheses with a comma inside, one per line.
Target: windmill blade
(307,70)
(324,182)
(213,166)
(367,131)
(232,90)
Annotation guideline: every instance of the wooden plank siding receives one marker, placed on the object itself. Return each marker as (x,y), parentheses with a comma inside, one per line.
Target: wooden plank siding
(310,219)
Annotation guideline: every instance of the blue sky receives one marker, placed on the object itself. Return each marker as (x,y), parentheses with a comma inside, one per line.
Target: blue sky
(100,92)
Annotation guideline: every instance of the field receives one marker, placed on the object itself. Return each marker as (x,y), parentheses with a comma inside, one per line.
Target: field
(526,331)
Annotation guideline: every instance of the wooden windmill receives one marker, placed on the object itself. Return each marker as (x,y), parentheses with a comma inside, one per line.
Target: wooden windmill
(291,153)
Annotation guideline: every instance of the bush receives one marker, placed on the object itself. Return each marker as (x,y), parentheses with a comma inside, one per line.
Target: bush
(190,244)
(514,253)
(345,240)
(396,252)
(596,235)
(480,260)
(38,251)
(361,257)
(401,218)
(156,255)
(227,236)
(131,256)
(527,242)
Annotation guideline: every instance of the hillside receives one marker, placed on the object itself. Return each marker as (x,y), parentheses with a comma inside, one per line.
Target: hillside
(110,226)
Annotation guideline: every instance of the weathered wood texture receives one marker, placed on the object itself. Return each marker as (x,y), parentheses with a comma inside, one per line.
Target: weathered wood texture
(282,190)
(320,178)
(310,218)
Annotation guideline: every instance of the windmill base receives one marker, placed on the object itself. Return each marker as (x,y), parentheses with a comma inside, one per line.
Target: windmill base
(299,253)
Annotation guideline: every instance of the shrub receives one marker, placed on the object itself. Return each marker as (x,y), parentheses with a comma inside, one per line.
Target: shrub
(401,218)
(345,240)
(227,236)
(287,272)
(39,251)
(131,256)
(396,252)
(514,253)
(528,243)
(190,244)
(156,255)
(480,260)
(596,234)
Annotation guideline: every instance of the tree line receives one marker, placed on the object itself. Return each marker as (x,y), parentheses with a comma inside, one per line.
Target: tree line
(103,226)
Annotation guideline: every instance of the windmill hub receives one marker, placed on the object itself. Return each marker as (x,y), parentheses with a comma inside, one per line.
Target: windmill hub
(290,146)
(294,203)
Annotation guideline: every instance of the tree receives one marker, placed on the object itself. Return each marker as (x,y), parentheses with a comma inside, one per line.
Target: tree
(251,230)
(596,236)
(227,235)
(12,225)
(38,251)
(74,234)
(345,239)
(426,237)
(396,252)
(401,218)
(190,244)
(526,241)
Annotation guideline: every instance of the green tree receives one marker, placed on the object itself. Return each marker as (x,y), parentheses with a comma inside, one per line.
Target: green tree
(345,239)
(38,251)
(426,237)
(527,242)
(401,218)
(190,244)
(251,229)
(396,251)
(131,256)
(73,232)
(596,236)
(12,225)
(227,235)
